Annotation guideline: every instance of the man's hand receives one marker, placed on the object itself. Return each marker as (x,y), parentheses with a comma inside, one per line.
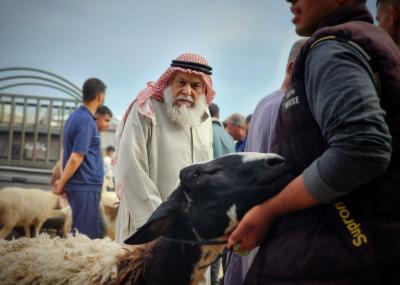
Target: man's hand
(252,228)
(73,163)
(59,186)
(256,223)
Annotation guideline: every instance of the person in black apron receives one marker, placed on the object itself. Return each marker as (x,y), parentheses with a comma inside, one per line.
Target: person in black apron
(338,221)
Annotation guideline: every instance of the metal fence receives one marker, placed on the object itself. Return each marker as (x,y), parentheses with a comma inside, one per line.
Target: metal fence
(31,129)
(31,126)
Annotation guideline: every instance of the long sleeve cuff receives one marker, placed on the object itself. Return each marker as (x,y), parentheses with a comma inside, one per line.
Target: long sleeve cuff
(316,186)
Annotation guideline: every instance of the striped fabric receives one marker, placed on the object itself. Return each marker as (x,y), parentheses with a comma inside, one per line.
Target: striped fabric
(155,90)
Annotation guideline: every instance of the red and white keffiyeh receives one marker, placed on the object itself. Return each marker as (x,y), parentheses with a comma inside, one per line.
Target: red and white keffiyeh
(187,62)
(155,90)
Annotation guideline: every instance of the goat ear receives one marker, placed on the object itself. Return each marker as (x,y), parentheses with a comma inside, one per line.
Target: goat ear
(159,222)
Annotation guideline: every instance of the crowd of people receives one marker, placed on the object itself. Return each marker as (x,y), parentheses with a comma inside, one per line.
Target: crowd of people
(335,119)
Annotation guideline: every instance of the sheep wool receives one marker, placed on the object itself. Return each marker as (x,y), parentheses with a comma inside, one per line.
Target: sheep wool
(176,244)
(58,260)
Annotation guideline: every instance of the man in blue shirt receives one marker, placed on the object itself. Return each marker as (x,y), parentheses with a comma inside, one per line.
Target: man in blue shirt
(83,172)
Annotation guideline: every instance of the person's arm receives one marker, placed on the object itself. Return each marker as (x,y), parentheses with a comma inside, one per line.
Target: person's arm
(73,163)
(81,139)
(55,173)
(132,169)
(255,224)
(345,105)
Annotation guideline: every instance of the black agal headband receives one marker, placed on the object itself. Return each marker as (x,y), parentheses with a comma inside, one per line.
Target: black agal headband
(192,65)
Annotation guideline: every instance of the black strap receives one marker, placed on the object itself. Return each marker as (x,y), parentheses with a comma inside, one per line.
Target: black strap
(374,73)
(363,253)
(201,242)
(192,65)
(195,242)
(216,259)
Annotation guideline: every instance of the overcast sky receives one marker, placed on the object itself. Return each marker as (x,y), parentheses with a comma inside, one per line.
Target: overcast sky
(129,42)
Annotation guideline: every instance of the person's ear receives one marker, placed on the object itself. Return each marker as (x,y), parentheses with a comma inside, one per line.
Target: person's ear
(153,229)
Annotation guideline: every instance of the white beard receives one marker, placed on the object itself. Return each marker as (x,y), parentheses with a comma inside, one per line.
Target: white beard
(184,115)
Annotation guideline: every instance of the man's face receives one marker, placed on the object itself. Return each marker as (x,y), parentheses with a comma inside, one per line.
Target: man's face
(309,13)
(103,122)
(238,132)
(384,15)
(186,88)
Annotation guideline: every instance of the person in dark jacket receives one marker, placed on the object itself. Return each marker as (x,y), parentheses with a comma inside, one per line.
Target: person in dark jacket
(337,222)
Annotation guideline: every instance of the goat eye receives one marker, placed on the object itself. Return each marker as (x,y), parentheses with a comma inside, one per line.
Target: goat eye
(195,175)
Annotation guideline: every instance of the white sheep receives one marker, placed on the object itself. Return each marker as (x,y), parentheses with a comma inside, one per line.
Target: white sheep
(24,207)
(109,204)
(180,240)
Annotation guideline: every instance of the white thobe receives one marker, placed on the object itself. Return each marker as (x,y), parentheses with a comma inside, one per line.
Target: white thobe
(149,158)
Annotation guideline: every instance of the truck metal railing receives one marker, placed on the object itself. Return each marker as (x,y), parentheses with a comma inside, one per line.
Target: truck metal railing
(31,129)
(31,126)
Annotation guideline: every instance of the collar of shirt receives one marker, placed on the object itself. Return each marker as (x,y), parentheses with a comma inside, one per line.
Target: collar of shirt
(85,109)
(215,120)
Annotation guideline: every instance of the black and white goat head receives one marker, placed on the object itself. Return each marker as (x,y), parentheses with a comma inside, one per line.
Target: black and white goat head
(208,203)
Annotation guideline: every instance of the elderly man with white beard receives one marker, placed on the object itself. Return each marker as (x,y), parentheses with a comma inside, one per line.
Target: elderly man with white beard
(166,128)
